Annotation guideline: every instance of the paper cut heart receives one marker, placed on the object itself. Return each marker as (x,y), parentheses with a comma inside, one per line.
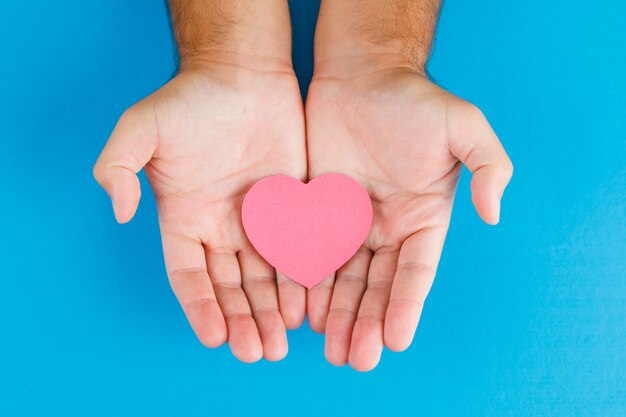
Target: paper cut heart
(307,231)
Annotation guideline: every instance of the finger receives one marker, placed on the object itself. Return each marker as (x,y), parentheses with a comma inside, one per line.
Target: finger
(350,283)
(259,283)
(243,336)
(367,337)
(129,148)
(474,143)
(292,301)
(415,273)
(317,303)
(187,273)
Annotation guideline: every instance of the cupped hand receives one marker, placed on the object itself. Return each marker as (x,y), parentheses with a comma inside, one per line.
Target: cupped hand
(204,139)
(404,139)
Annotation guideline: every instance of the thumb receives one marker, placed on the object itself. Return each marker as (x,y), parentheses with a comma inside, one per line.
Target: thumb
(129,148)
(472,140)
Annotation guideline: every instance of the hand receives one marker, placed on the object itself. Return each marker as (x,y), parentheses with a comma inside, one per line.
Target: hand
(205,138)
(403,138)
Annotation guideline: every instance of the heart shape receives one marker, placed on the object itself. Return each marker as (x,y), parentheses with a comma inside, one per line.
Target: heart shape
(307,231)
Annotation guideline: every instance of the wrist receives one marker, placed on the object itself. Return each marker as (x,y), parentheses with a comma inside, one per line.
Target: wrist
(364,36)
(364,62)
(236,61)
(237,32)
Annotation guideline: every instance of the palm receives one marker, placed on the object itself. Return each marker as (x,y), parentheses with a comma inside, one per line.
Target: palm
(393,140)
(208,136)
(390,131)
(215,140)
(216,135)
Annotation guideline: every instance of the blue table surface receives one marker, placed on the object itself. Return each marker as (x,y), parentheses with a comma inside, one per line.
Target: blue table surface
(527,318)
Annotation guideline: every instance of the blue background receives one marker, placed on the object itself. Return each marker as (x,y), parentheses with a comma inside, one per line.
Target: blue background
(527,318)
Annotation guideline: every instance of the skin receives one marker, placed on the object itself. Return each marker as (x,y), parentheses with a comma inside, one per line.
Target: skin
(373,114)
(231,116)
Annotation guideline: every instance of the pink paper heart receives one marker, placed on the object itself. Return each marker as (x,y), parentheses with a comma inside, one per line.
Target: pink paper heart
(307,231)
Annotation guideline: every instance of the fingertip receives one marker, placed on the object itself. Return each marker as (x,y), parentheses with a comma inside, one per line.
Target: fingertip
(273,335)
(316,327)
(124,190)
(123,214)
(214,339)
(488,208)
(244,340)
(250,355)
(396,342)
(486,198)
(364,363)
(400,327)
(208,323)
(293,312)
(276,353)
(317,321)
(338,333)
(398,346)
(291,302)
(367,346)
(294,324)
(335,359)
(293,318)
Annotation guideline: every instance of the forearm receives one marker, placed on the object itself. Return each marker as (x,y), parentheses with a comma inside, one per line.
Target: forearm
(232,30)
(354,33)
